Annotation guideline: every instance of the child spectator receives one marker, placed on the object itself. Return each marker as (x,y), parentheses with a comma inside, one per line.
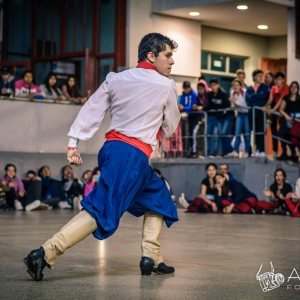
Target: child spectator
(278,91)
(7,84)
(269,80)
(25,87)
(89,180)
(218,100)
(290,109)
(241,76)
(188,98)
(206,201)
(238,98)
(277,194)
(72,187)
(71,91)
(17,192)
(257,95)
(51,89)
(234,196)
(52,188)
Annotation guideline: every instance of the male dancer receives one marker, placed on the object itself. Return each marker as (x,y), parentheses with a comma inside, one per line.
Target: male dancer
(143,102)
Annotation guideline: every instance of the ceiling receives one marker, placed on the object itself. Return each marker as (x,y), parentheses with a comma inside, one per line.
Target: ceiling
(227,16)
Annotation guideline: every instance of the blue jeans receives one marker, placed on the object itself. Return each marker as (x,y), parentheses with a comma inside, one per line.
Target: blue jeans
(224,127)
(212,129)
(242,125)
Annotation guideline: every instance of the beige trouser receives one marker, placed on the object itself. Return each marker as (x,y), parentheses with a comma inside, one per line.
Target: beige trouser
(151,231)
(81,226)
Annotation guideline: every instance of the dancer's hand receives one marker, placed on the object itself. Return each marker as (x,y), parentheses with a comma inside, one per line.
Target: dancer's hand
(73,157)
(214,207)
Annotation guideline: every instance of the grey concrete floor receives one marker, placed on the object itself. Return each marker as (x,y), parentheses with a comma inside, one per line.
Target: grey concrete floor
(215,257)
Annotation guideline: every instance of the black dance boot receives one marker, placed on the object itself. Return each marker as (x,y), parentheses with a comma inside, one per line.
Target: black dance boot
(35,263)
(162,269)
(146,266)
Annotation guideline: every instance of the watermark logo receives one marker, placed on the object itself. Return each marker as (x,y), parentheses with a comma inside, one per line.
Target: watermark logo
(269,280)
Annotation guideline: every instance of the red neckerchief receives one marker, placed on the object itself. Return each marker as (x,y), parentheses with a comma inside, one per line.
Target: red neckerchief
(146,65)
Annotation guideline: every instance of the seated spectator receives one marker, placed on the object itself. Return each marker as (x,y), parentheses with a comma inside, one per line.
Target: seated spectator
(51,89)
(257,95)
(277,194)
(278,91)
(7,84)
(218,100)
(159,174)
(3,190)
(224,169)
(72,187)
(234,196)
(206,201)
(34,200)
(292,201)
(25,87)
(16,196)
(71,91)
(52,188)
(290,109)
(90,182)
(242,125)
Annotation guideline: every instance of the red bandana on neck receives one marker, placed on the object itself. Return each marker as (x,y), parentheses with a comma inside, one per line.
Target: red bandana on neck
(146,65)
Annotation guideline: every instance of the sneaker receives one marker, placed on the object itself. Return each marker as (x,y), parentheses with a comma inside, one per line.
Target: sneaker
(245,155)
(33,205)
(262,154)
(256,154)
(183,202)
(233,154)
(18,205)
(201,157)
(64,205)
(43,206)
(218,156)
(212,156)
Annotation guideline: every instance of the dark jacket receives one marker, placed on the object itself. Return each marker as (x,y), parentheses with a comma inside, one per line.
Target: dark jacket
(7,85)
(258,98)
(218,101)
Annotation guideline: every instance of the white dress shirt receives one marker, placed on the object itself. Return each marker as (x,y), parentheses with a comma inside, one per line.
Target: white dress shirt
(140,101)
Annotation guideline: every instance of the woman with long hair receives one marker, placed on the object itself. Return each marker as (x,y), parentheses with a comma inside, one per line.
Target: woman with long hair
(277,193)
(269,79)
(290,109)
(51,89)
(71,91)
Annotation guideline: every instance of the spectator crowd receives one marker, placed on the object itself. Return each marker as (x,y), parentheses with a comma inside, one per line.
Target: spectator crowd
(26,88)
(232,116)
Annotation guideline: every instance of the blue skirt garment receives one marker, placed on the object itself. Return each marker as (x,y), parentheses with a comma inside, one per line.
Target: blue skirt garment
(127,183)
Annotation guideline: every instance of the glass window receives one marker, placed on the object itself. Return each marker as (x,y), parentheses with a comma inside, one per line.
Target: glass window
(106,65)
(204,60)
(218,63)
(107,26)
(235,64)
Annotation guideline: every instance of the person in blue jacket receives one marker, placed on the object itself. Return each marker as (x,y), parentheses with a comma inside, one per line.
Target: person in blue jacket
(7,84)
(188,103)
(257,96)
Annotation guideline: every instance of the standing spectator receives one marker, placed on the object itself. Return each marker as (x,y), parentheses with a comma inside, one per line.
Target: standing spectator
(269,80)
(277,194)
(241,76)
(290,109)
(71,91)
(16,186)
(25,87)
(257,95)
(7,84)
(51,89)
(278,91)
(218,99)
(188,103)
(238,98)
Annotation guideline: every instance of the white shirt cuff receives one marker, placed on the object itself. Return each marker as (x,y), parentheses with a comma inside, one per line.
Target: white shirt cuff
(73,142)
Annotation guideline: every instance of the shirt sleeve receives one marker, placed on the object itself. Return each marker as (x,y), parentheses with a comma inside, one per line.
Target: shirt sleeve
(91,115)
(273,91)
(171,115)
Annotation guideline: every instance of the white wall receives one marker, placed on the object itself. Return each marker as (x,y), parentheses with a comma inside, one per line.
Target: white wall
(187,33)
(42,128)
(236,43)
(293,67)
